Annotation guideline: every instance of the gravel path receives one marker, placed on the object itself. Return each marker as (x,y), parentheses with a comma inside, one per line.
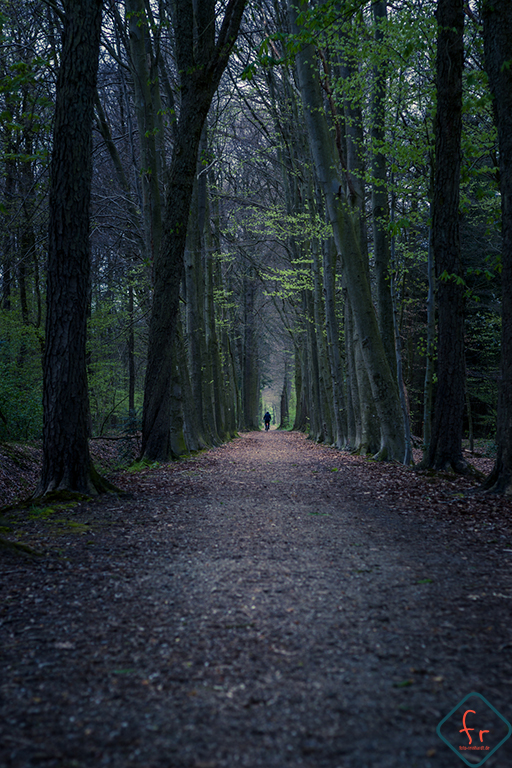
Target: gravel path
(257,606)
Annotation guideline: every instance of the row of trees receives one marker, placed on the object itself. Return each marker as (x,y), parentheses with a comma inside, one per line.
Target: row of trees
(293,182)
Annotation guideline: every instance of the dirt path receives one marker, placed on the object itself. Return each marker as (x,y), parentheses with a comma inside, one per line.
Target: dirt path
(257,606)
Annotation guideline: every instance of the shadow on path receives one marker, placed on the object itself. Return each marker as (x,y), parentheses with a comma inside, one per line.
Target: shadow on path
(257,606)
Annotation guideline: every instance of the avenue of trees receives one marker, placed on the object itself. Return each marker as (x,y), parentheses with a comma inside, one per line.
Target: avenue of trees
(213,208)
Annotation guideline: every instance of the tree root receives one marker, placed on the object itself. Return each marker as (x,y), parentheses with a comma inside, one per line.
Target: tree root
(382,455)
(450,470)
(96,485)
(498,482)
(18,548)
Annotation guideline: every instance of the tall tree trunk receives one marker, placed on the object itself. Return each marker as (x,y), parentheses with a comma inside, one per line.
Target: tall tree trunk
(316,426)
(177,432)
(200,67)
(325,382)
(27,243)
(226,394)
(498,46)
(284,410)
(250,362)
(380,207)
(445,449)
(193,436)
(8,237)
(131,359)
(66,461)
(355,191)
(300,420)
(211,404)
(194,287)
(368,442)
(429,356)
(233,398)
(408,458)
(218,392)
(353,409)
(382,382)
(333,344)
(146,112)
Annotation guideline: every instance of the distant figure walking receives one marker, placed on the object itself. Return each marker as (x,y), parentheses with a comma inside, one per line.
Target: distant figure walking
(267,419)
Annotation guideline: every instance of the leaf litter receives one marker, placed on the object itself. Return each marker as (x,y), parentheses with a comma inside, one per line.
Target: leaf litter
(219,618)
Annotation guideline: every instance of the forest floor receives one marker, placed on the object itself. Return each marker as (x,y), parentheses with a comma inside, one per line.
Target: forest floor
(272,603)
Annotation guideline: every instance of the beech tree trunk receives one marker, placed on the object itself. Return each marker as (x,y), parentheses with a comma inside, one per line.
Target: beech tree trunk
(356,194)
(147,110)
(333,345)
(380,206)
(384,391)
(498,46)
(445,449)
(429,357)
(66,461)
(8,236)
(300,421)
(313,393)
(213,354)
(201,61)
(194,314)
(249,358)
(284,411)
(353,410)
(193,437)
(324,374)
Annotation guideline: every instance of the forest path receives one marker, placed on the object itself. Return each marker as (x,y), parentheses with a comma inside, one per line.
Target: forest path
(256,606)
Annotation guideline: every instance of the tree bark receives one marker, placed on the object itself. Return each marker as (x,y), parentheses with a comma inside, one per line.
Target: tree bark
(211,268)
(284,410)
(66,461)
(353,409)
(324,374)
(384,391)
(429,356)
(313,392)
(132,417)
(193,436)
(200,68)
(300,420)
(355,191)
(194,287)
(498,46)
(380,206)
(333,344)
(445,449)
(8,235)
(250,363)
(146,111)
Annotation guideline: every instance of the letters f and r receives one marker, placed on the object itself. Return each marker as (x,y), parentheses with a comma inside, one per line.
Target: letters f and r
(467,730)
